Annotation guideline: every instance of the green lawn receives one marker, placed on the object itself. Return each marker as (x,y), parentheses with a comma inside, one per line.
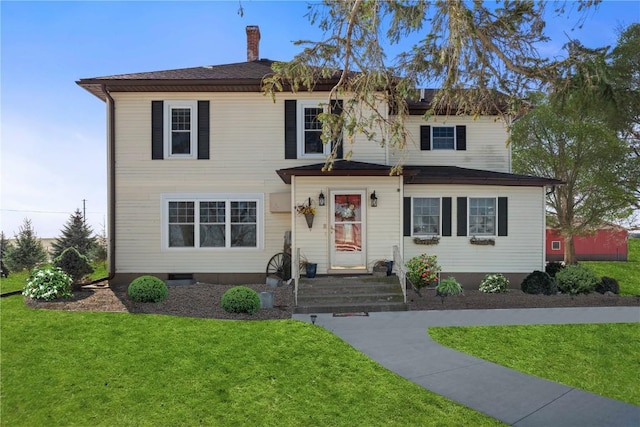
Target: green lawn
(80,368)
(600,358)
(626,273)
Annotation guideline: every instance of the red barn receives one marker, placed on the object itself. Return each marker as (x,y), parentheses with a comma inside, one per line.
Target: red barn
(606,244)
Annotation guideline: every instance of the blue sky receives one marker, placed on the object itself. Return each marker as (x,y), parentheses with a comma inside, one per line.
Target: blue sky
(52,132)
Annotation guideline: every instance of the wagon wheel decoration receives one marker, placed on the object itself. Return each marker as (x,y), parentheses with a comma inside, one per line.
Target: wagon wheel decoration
(280,265)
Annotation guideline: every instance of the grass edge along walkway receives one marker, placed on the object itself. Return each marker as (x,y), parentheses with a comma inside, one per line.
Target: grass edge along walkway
(62,368)
(599,358)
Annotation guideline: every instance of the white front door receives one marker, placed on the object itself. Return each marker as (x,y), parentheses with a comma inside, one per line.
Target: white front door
(347,237)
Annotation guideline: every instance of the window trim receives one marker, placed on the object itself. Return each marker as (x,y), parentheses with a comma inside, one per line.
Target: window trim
(210,197)
(496,215)
(192,105)
(439,233)
(555,247)
(455,138)
(300,107)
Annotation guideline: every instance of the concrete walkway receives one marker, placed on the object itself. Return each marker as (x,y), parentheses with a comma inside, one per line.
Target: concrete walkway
(398,341)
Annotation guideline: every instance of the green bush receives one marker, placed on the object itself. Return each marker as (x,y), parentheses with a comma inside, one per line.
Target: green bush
(494,283)
(608,284)
(423,270)
(448,287)
(577,279)
(48,284)
(148,289)
(74,264)
(539,282)
(240,299)
(553,267)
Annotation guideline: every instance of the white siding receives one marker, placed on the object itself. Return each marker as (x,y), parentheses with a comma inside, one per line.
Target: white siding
(487,147)
(247,146)
(383,223)
(519,252)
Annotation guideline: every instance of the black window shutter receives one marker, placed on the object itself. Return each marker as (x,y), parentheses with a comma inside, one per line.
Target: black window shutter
(446,216)
(290,130)
(425,138)
(462,216)
(461,138)
(336,108)
(407,216)
(157,130)
(203,130)
(503,214)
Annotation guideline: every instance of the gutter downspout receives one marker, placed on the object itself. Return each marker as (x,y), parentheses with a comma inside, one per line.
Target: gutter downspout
(111,176)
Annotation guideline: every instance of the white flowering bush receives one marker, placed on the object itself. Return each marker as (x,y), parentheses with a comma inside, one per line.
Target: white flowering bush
(494,283)
(48,284)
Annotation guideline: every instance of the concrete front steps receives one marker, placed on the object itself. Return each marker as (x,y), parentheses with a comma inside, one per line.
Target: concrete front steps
(349,294)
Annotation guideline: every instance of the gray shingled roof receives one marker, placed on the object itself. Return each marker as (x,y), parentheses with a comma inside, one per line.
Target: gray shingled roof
(238,77)
(254,70)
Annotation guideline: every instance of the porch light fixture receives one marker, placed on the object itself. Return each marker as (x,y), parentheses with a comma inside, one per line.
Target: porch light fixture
(374,200)
(321,199)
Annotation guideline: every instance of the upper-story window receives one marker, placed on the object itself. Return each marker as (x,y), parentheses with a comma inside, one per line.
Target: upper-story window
(443,137)
(303,130)
(180,126)
(180,129)
(310,130)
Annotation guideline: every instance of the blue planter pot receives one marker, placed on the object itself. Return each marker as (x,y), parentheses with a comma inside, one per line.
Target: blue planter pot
(311,270)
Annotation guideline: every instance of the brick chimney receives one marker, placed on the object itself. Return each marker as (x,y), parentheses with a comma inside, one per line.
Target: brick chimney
(253,43)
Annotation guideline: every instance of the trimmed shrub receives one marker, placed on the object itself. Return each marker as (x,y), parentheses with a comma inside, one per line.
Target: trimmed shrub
(240,299)
(449,287)
(148,289)
(576,279)
(494,283)
(48,284)
(423,270)
(74,264)
(553,267)
(608,284)
(538,282)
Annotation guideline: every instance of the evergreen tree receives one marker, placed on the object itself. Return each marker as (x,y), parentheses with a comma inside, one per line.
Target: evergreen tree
(75,234)
(4,245)
(27,252)
(483,55)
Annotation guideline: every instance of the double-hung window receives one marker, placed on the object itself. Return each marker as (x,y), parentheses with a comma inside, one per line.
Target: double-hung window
(212,221)
(426,216)
(310,130)
(180,129)
(482,216)
(443,138)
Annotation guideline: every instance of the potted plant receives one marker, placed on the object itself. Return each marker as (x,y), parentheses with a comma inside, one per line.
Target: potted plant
(380,268)
(309,268)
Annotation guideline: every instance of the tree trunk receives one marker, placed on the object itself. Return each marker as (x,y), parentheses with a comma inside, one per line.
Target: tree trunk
(569,251)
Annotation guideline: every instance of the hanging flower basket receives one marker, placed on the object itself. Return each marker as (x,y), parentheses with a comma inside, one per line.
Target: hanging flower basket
(309,217)
(308,211)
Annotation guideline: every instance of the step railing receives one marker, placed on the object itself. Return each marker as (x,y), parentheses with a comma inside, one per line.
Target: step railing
(295,275)
(400,270)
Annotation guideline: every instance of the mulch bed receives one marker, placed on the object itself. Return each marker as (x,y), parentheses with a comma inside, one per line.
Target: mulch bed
(203,301)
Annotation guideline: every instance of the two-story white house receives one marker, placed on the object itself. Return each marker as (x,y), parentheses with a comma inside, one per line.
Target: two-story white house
(205,173)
